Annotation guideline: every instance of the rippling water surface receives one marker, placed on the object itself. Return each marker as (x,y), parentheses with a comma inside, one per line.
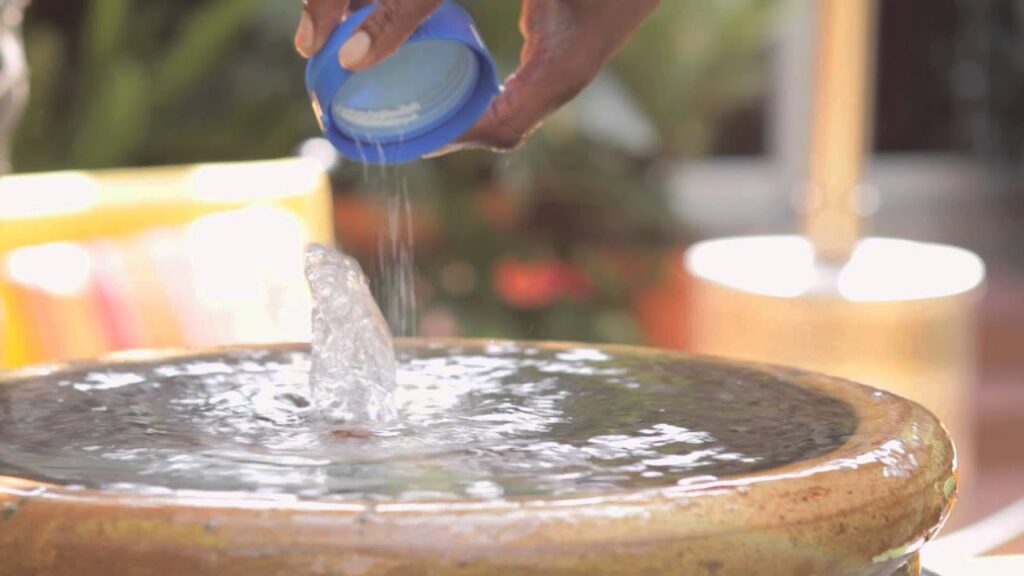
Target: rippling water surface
(488,421)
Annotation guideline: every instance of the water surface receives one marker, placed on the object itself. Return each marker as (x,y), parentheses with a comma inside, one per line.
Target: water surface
(487,421)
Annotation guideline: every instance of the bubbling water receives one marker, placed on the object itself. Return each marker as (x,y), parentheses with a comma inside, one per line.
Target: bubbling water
(352,377)
(478,421)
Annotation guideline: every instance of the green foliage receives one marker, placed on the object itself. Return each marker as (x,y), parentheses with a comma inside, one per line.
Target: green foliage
(104,23)
(695,61)
(130,94)
(211,28)
(114,120)
(145,82)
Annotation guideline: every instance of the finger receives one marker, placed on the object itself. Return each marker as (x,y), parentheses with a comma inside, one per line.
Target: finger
(384,31)
(319,19)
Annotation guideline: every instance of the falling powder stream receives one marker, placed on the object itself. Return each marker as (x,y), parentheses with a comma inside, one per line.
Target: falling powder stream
(397,289)
(396,286)
(353,372)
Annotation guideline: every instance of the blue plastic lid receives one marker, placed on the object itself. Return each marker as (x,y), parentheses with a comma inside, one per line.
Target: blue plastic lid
(423,97)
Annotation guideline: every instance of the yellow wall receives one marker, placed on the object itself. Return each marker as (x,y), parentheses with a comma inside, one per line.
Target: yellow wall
(92,262)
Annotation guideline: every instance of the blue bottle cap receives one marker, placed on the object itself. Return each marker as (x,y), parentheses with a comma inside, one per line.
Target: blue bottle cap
(423,97)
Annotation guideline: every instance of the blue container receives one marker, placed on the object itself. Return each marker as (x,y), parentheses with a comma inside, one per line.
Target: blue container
(426,95)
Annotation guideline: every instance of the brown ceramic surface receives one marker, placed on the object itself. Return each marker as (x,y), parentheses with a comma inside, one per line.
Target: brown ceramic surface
(863,509)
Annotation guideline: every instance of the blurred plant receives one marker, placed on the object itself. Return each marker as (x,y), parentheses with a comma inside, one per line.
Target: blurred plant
(145,82)
(696,62)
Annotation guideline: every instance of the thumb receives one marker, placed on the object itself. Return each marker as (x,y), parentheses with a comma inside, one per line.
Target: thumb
(384,31)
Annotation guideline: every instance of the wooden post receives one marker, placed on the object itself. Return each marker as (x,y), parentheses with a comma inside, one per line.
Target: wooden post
(842,107)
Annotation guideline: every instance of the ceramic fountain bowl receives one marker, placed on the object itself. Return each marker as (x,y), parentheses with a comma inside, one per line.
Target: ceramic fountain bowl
(861,502)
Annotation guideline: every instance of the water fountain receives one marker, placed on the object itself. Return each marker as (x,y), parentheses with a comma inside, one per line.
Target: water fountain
(507,458)
(514,458)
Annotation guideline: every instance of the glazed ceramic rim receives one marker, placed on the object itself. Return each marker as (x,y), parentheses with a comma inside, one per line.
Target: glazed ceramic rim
(872,480)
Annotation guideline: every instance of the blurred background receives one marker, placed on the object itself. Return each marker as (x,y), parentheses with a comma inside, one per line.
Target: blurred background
(701,128)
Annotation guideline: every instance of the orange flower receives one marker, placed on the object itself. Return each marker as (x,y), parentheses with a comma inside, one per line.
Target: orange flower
(533,285)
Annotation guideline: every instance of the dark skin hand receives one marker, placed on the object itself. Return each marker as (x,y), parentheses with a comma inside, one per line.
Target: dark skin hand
(567,42)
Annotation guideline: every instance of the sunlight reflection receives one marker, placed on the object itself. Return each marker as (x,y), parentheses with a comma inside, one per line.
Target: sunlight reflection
(60,269)
(47,194)
(256,180)
(248,260)
(880,269)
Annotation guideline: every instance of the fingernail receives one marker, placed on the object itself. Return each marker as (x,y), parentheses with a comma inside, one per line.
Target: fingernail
(304,37)
(355,50)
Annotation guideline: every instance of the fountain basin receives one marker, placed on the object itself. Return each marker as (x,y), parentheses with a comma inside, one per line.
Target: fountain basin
(768,471)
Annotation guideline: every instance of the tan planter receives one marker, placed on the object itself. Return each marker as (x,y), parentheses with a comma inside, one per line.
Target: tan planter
(864,509)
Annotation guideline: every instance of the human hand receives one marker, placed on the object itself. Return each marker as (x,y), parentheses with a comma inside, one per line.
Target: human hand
(567,42)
